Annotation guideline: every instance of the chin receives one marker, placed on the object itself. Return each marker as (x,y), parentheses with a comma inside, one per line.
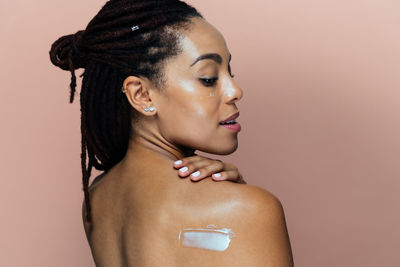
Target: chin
(222,149)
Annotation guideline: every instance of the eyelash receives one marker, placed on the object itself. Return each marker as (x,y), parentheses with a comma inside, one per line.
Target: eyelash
(211,81)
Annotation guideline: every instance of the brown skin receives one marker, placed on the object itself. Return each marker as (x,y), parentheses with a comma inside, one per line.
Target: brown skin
(187,113)
(187,102)
(207,167)
(141,204)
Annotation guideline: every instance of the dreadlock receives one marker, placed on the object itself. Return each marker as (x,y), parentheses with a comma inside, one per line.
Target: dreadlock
(110,49)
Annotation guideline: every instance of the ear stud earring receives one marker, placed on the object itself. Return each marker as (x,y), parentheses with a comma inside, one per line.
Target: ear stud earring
(149,109)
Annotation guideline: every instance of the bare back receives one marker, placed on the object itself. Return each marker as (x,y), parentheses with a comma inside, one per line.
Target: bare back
(137,220)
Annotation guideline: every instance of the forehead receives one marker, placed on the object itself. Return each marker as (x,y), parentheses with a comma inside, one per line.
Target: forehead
(202,38)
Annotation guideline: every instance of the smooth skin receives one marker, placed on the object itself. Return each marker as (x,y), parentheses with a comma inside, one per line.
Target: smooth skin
(140,205)
(205,167)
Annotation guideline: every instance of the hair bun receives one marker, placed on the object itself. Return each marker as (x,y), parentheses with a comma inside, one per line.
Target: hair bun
(66,52)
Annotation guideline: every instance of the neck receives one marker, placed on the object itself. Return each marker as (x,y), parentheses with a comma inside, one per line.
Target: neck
(145,148)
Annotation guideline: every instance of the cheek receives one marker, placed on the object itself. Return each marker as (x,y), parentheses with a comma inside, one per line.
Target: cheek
(198,112)
(192,112)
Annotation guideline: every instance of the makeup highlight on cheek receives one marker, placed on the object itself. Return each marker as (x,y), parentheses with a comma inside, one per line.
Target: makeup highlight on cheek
(197,104)
(195,90)
(187,86)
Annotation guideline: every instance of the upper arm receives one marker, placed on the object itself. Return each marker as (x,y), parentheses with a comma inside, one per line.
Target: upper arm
(265,232)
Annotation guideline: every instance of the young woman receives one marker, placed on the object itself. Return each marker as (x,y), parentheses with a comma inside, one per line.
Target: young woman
(157,86)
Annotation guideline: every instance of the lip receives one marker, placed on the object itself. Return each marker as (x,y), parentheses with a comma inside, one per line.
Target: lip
(232,117)
(234,127)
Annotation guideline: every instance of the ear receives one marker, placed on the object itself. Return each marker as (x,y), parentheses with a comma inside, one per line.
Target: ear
(137,91)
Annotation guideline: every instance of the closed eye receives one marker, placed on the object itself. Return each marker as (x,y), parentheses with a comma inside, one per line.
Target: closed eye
(209,81)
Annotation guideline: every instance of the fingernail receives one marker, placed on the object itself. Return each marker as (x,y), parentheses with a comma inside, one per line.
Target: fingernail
(178,162)
(217,175)
(195,174)
(183,169)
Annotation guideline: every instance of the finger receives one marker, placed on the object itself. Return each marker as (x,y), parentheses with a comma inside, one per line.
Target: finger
(229,166)
(207,170)
(232,175)
(183,161)
(195,166)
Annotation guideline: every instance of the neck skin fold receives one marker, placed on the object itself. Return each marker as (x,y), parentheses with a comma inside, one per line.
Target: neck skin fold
(146,147)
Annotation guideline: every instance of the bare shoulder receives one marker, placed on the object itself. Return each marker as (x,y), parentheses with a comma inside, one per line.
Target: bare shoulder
(251,198)
(86,225)
(258,197)
(255,216)
(261,228)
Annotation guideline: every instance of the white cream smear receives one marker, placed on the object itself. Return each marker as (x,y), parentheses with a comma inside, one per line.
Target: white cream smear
(209,237)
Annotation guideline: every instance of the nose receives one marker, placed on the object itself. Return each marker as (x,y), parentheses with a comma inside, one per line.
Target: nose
(233,92)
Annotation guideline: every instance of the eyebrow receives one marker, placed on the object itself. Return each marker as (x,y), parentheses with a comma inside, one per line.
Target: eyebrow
(213,56)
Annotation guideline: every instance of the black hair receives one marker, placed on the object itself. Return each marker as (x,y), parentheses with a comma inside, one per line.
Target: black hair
(126,37)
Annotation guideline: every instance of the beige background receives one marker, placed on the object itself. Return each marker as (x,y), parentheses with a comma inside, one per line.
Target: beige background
(320,117)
